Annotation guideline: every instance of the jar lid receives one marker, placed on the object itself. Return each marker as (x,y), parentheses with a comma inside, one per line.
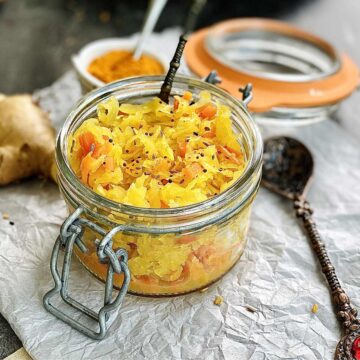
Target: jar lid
(288,67)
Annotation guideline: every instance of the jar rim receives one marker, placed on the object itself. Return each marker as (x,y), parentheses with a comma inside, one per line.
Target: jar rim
(217,201)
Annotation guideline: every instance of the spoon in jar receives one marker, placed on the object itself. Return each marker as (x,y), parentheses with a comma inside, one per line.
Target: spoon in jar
(165,91)
(152,16)
(287,170)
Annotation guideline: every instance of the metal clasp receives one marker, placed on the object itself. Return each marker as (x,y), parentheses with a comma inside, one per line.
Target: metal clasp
(247,93)
(70,234)
(214,79)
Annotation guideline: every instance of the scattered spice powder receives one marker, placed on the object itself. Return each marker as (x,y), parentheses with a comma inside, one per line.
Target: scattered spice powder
(5,216)
(119,64)
(218,300)
(315,308)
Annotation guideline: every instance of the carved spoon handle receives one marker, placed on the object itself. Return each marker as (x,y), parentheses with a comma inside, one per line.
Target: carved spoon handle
(347,315)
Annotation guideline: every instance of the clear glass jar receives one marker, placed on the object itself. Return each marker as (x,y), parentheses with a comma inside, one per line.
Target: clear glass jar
(298,78)
(171,251)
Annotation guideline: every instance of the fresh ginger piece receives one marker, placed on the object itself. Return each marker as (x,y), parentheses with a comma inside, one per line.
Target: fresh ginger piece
(27,140)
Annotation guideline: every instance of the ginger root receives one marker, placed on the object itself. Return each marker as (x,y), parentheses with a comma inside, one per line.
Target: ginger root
(27,140)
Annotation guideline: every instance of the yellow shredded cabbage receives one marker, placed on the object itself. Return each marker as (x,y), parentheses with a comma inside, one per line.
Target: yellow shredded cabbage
(157,154)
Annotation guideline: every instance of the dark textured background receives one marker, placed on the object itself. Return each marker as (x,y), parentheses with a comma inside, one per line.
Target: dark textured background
(37,38)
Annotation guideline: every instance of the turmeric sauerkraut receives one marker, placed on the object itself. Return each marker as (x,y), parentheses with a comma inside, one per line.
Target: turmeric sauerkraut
(156,155)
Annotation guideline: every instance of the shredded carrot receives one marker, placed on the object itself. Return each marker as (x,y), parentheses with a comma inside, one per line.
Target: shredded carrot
(102,150)
(187,95)
(228,155)
(146,279)
(191,171)
(109,164)
(85,167)
(233,151)
(208,111)
(86,140)
(209,134)
(164,205)
(186,239)
(176,104)
(182,149)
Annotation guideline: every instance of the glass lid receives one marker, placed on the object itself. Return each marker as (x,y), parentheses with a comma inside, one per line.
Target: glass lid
(271,55)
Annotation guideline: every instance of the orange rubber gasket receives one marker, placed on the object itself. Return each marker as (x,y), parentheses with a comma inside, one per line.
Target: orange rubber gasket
(270,93)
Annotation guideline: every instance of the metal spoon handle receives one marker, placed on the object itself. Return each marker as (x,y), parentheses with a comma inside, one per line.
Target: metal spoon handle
(195,10)
(345,311)
(174,65)
(155,9)
(348,347)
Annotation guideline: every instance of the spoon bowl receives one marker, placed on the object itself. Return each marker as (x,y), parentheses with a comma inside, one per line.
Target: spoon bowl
(288,167)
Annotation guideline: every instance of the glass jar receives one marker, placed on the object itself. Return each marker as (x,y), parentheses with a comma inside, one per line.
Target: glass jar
(299,79)
(170,251)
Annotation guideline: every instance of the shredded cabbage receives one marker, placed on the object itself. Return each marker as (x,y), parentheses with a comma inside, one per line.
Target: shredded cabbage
(157,155)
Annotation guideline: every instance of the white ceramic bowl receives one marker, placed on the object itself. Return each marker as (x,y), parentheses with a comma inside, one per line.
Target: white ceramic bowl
(89,52)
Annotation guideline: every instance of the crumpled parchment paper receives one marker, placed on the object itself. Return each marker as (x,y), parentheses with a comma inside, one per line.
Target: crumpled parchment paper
(278,274)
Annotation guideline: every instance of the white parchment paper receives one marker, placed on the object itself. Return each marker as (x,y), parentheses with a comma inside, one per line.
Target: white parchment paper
(278,274)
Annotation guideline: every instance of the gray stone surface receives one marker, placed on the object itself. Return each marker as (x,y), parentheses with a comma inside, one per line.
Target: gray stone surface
(38,37)
(9,343)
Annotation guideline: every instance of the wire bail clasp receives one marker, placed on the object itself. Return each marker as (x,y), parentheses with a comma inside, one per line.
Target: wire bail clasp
(247,93)
(71,233)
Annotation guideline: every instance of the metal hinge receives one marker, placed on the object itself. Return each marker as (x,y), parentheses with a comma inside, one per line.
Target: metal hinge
(70,234)
(214,79)
(247,93)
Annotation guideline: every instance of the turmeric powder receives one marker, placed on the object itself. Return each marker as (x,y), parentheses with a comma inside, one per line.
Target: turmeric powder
(119,64)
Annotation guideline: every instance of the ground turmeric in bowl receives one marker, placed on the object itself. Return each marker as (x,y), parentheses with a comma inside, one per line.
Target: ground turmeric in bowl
(119,64)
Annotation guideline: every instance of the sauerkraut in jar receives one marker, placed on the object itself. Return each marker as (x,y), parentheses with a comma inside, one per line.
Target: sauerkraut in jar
(183,174)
